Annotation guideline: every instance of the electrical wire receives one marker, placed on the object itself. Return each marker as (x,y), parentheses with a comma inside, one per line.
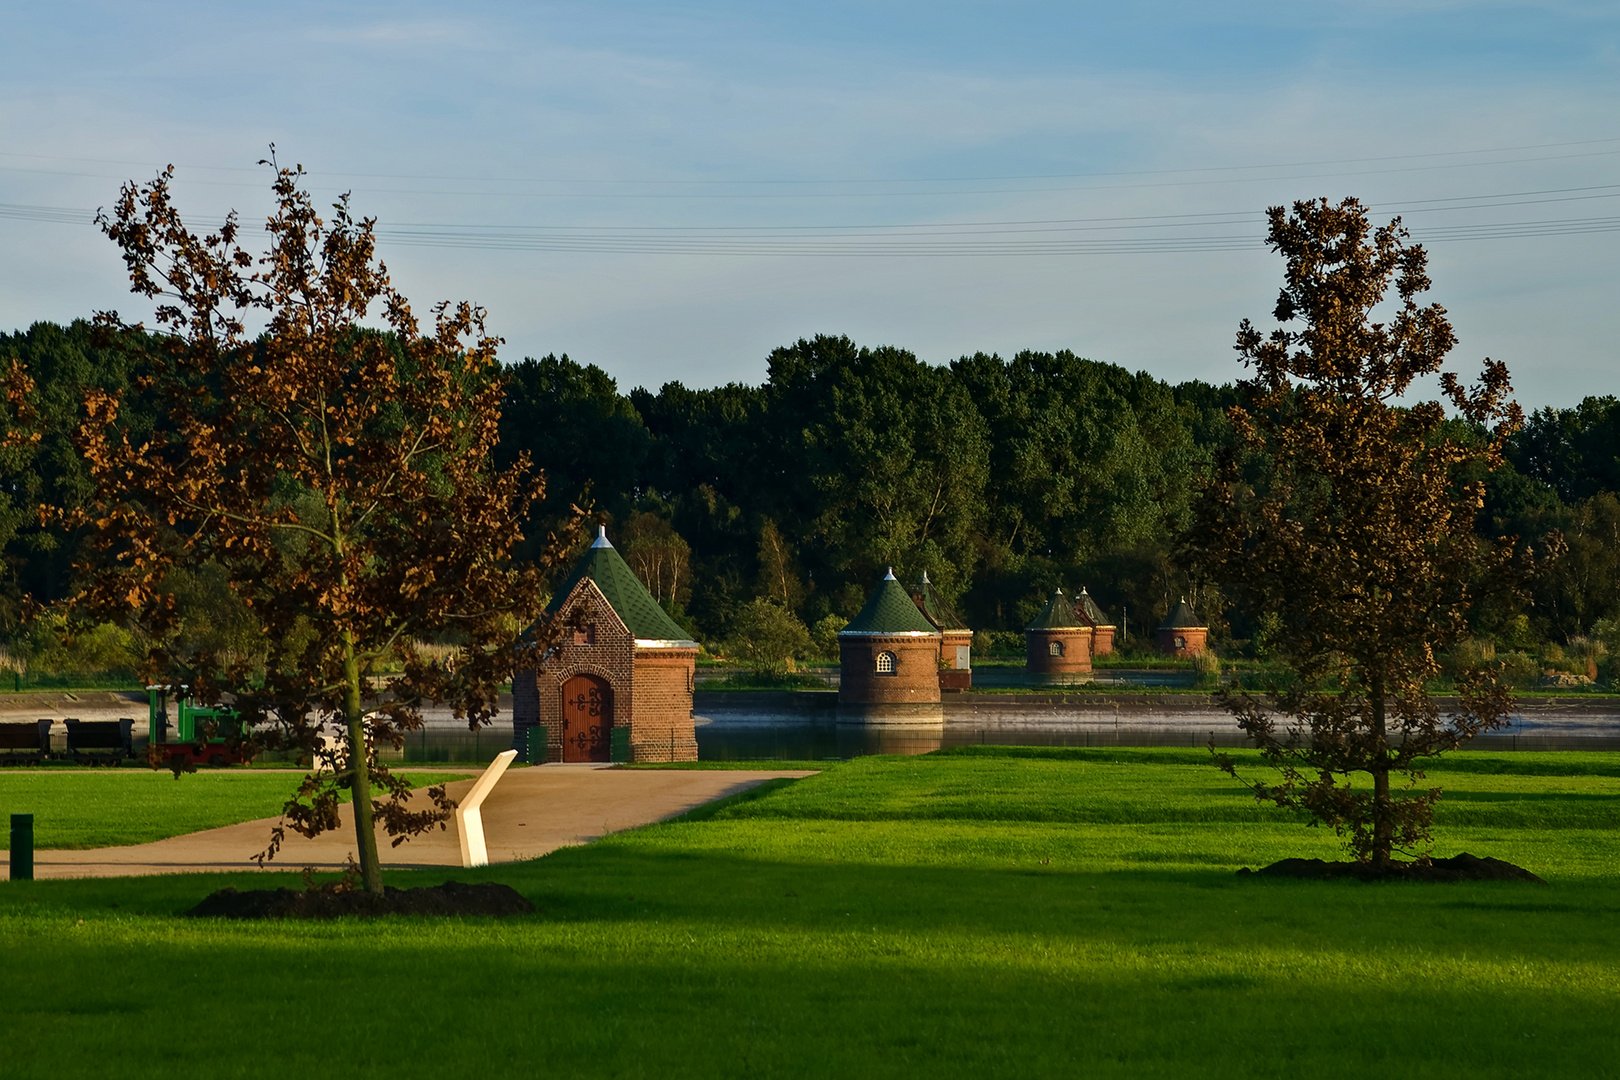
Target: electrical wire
(1124,234)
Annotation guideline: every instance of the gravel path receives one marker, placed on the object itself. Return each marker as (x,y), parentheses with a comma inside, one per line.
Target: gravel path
(532,811)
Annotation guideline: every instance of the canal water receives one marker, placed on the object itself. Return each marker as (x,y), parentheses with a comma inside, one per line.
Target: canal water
(740,725)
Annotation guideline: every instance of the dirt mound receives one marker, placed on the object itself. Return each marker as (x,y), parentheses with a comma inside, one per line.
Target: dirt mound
(1462,867)
(451,898)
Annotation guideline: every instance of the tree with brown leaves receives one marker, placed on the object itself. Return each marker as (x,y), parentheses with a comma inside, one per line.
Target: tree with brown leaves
(1348,516)
(336,475)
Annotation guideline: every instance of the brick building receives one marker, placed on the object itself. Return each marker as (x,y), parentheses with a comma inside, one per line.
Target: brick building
(620,686)
(889,661)
(1057,643)
(1102,630)
(1181,634)
(956,639)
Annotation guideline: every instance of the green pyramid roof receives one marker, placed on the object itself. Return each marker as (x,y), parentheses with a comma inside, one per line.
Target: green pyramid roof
(1087,608)
(624,591)
(1056,615)
(933,605)
(1181,618)
(889,610)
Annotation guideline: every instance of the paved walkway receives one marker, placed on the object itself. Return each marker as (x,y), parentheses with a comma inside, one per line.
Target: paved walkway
(530,812)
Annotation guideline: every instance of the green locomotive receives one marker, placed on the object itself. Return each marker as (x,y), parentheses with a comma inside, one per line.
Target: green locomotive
(214,736)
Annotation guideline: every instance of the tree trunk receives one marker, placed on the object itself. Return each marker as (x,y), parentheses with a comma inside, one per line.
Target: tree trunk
(365,834)
(1383,809)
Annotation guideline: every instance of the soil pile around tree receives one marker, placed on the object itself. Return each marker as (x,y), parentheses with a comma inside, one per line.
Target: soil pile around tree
(451,898)
(1462,867)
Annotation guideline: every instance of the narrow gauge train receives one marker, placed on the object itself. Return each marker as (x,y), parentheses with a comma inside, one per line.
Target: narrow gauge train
(200,736)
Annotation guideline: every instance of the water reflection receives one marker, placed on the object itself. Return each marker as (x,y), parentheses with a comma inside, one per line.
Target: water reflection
(798,738)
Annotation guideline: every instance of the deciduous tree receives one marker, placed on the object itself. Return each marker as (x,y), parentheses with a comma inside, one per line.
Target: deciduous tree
(1346,515)
(335,477)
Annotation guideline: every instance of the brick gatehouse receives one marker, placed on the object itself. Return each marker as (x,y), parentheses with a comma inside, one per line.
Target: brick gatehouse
(620,686)
(956,639)
(1057,644)
(1102,630)
(889,662)
(1182,634)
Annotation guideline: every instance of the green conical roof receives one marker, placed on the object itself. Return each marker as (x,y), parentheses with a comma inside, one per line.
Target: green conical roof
(1088,609)
(889,610)
(1056,615)
(933,605)
(624,591)
(1182,618)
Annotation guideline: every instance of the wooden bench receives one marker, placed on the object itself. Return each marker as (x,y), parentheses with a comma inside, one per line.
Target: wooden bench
(20,737)
(100,737)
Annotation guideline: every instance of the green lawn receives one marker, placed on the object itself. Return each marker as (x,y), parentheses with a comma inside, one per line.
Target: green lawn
(91,808)
(989,912)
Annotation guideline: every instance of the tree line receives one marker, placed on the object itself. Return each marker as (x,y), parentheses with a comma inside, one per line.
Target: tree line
(1001,478)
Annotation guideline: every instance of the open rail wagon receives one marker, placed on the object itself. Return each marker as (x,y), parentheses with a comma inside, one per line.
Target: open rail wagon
(199,736)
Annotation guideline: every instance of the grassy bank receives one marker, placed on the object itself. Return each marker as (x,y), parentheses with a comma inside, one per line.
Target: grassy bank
(991,912)
(91,808)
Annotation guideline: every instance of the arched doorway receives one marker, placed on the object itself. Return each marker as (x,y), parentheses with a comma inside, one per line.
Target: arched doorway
(587,719)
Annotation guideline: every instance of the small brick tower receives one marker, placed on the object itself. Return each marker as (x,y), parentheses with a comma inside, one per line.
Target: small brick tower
(620,688)
(956,640)
(1058,643)
(1102,631)
(1182,634)
(889,662)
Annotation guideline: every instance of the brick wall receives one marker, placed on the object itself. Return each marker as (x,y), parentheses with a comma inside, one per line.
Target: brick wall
(916,677)
(1102,640)
(662,728)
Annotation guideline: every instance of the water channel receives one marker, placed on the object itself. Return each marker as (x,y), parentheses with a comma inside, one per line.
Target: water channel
(768,725)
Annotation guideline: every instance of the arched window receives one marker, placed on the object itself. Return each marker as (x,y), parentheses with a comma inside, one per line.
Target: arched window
(1181,642)
(1055,648)
(885,663)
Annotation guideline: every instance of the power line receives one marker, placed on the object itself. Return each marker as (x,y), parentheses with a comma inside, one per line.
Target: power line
(853,180)
(1134,234)
(739,196)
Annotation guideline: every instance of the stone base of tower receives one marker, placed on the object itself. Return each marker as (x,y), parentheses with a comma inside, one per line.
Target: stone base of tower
(892,714)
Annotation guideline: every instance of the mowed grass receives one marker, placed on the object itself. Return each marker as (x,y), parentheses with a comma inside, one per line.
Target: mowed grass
(91,808)
(992,912)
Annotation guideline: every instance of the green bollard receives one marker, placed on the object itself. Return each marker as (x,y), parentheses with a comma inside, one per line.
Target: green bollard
(22,847)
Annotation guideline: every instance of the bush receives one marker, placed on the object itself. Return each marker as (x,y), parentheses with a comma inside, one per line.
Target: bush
(999,643)
(825,636)
(769,638)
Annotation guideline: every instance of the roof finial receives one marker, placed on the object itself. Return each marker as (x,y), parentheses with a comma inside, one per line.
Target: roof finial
(925,577)
(890,575)
(601,538)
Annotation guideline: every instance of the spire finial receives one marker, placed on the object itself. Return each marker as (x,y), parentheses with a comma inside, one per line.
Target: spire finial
(890,575)
(925,577)
(601,538)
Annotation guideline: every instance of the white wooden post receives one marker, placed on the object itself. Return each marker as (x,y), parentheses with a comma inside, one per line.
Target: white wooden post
(470,819)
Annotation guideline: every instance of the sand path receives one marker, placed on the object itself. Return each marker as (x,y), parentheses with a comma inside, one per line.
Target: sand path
(530,812)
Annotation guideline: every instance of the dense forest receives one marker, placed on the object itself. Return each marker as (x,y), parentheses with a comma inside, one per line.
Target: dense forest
(1001,478)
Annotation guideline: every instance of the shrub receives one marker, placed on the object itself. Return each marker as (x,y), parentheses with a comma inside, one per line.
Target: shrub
(824,637)
(769,638)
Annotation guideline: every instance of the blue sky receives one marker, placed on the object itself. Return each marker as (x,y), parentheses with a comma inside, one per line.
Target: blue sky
(670,191)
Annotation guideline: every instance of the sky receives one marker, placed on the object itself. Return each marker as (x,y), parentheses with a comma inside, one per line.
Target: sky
(671,191)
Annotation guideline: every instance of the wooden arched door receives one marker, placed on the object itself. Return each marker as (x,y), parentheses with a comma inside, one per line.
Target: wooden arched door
(587,719)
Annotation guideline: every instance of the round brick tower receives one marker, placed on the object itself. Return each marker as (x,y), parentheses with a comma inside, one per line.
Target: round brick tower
(1102,630)
(1057,644)
(889,662)
(1182,634)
